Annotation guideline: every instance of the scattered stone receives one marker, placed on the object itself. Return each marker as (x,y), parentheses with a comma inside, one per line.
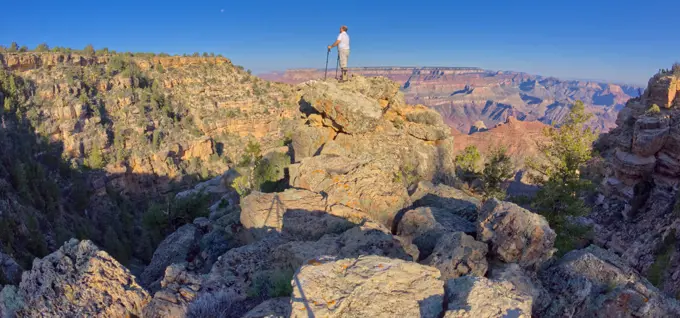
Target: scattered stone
(457,254)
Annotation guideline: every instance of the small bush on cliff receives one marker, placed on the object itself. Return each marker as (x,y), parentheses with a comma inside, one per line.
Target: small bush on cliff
(271,284)
(467,163)
(269,172)
(653,110)
(42,47)
(558,172)
(89,50)
(676,69)
(496,171)
(14,47)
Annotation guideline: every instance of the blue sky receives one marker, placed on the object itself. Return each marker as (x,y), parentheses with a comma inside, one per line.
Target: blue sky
(621,41)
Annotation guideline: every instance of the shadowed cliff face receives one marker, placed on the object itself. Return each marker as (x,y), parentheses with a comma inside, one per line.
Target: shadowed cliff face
(466,95)
(144,115)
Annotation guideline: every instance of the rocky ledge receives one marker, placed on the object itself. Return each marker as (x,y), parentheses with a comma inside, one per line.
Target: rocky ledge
(370,226)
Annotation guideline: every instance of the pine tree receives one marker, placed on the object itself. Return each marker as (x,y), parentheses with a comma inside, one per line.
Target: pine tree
(558,173)
(497,170)
(89,50)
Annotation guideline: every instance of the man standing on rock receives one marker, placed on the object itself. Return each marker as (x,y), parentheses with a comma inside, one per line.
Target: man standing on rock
(343,50)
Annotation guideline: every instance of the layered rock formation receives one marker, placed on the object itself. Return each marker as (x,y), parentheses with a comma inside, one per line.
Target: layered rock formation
(465,96)
(637,213)
(367,226)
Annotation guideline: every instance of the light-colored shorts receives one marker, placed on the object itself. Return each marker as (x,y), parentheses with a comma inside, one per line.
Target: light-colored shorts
(344,55)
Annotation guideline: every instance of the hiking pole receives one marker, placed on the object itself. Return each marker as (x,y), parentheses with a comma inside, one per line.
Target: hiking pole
(337,66)
(326,71)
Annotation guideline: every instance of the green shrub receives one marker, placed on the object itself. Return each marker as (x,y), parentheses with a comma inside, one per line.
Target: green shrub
(95,159)
(42,47)
(657,271)
(654,109)
(467,163)
(676,69)
(252,154)
(89,50)
(14,47)
(426,117)
(269,171)
(497,170)
(242,185)
(271,284)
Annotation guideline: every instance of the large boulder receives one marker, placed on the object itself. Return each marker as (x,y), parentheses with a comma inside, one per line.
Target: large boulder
(368,286)
(650,135)
(514,234)
(308,140)
(175,248)
(424,226)
(447,198)
(298,213)
(10,271)
(359,184)
(594,282)
(478,297)
(353,112)
(79,280)
(458,254)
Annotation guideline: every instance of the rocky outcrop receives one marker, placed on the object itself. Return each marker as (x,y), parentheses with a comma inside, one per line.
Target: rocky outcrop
(352,183)
(593,281)
(79,280)
(514,234)
(368,286)
(473,297)
(635,215)
(353,112)
(457,254)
